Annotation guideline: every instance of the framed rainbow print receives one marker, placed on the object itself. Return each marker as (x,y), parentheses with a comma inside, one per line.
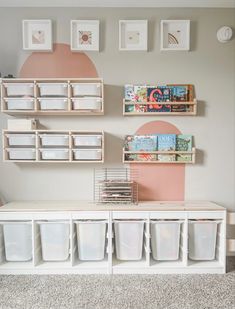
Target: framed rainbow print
(175,35)
(84,35)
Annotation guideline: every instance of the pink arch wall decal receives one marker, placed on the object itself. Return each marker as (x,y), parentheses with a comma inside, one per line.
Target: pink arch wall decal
(61,63)
(160,182)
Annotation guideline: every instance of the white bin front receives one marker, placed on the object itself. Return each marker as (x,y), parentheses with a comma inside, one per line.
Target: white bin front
(202,240)
(91,237)
(129,239)
(55,240)
(18,241)
(21,139)
(87,140)
(19,89)
(54,154)
(87,154)
(54,139)
(165,240)
(87,104)
(86,89)
(53,89)
(20,104)
(21,154)
(53,104)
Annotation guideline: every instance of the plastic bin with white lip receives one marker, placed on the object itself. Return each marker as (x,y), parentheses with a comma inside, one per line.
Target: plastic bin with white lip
(21,139)
(165,239)
(54,140)
(20,103)
(53,89)
(86,89)
(18,241)
(55,240)
(19,89)
(91,238)
(21,154)
(53,104)
(129,236)
(92,103)
(87,154)
(202,239)
(87,140)
(54,154)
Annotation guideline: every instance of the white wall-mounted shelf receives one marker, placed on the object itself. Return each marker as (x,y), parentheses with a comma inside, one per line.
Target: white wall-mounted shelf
(72,96)
(53,146)
(35,212)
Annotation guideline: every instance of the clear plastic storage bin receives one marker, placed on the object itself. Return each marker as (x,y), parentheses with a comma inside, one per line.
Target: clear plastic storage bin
(54,139)
(87,154)
(19,89)
(129,239)
(86,89)
(21,154)
(202,239)
(54,154)
(87,140)
(18,241)
(165,239)
(53,104)
(55,240)
(19,104)
(53,89)
(86,103)
(91,237)
(21,139)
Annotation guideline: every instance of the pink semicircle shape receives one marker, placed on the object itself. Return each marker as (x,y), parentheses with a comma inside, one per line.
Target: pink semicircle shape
(61,63)
(160,182)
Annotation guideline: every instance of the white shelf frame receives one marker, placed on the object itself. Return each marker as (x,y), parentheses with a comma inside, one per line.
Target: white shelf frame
(110,265)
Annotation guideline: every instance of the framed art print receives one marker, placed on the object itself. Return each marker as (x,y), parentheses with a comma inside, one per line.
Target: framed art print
(133,35)
(175,34)
(85,35)
(37,35)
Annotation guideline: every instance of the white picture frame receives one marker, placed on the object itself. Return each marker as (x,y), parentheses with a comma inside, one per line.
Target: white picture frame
(175,35)
(84,35)
(133,35)
(37,35)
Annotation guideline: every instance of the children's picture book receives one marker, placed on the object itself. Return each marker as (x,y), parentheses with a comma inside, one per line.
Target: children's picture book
(140,143)
(166,142)
(129,93)
(158,94)
(140,157)
(166,157)
(141,108)
(184,157)
(129,108)
(158,108)
(179,108)
(179,93)
(184,142)
(140,93)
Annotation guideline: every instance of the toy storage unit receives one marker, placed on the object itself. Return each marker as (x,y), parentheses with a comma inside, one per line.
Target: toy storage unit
(85,238)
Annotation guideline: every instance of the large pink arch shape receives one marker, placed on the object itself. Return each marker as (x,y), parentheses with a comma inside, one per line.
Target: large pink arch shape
(160,182)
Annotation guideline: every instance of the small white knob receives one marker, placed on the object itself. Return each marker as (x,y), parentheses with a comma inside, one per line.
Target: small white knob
(224,34)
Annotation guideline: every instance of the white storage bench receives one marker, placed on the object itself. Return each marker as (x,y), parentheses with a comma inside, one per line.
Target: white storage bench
(85,238)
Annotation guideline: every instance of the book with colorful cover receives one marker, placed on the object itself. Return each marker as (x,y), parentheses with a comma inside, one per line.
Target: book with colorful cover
(179,108)
(184,143)
(141,108)
(129,108)
(158,108)
(166,142)
(140,157)
(166,157)
(140,143)
(158,94)
(179,93)
(129,93)
(140,93)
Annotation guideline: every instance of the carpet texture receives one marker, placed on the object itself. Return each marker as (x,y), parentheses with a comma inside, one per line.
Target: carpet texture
(119,291)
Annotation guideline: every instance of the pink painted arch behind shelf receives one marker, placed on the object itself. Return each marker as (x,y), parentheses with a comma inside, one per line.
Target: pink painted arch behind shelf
(160,182)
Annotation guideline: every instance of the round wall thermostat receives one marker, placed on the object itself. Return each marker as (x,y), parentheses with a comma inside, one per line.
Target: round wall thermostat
(224,34)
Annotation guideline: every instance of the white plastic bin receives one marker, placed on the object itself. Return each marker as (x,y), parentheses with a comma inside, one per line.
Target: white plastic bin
(18,241)
(55,240)
(87,154)
(202,239)
(129,239)
(86,103)
(86,89)
(21,139)
(54,154)
(20,104)
(91,237)
(53,104)
(53,89)
(54,139)
(21,154)
(19,89)
(87,140)
(165,239)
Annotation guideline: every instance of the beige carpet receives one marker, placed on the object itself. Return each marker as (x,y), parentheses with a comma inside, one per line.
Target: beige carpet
(119,291)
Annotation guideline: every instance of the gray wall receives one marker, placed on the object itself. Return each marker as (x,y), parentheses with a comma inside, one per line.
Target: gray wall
(210,66)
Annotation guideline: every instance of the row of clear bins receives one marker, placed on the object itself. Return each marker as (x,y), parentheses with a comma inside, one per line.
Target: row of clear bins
(91,239)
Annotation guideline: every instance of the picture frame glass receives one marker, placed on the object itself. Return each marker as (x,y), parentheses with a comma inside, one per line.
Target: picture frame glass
(175,35)
(133,35)
(85,35)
